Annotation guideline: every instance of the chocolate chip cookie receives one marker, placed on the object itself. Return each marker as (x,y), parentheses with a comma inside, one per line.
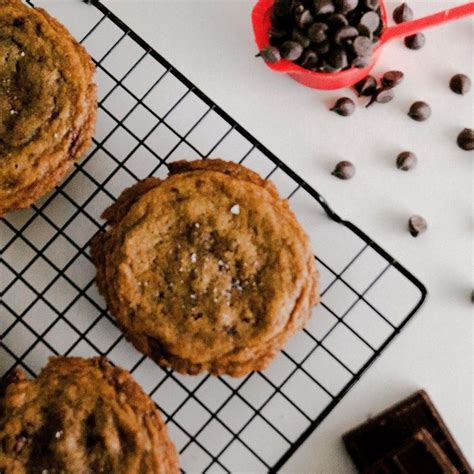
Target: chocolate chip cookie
(47,103)
(207,270)
(81,416)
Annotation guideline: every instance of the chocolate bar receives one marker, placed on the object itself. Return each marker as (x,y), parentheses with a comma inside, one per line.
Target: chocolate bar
(375,439)
(419,454)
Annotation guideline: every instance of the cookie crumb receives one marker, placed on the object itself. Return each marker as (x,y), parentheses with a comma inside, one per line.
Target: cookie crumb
(235,209)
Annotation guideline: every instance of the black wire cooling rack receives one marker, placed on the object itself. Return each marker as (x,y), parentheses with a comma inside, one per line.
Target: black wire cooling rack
(150,114)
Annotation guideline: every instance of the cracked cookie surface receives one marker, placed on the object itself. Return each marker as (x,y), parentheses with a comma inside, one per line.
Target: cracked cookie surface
(47,104)
(81,416)
(207,270)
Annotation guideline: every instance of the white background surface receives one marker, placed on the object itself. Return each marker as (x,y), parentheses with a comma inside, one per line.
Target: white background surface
(212,43)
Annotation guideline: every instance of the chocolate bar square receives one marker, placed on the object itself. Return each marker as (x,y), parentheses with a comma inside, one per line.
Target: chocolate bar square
(419,454)
(376,438)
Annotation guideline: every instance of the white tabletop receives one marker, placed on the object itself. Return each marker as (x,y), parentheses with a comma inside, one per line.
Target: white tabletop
(212,43)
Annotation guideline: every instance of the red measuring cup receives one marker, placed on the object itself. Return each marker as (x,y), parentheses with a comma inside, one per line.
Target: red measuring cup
(261,21)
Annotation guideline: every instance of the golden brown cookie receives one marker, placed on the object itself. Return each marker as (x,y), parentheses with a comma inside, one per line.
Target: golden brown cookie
(81,416)
(47,103)
(207,270)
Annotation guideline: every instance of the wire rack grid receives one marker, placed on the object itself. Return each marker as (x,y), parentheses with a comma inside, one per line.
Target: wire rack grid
(150,115)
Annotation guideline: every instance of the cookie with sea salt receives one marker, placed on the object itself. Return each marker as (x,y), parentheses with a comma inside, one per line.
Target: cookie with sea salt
(207,270)
(47,103)
(81,416)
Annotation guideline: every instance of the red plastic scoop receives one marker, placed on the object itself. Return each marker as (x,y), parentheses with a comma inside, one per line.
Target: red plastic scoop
(261,20)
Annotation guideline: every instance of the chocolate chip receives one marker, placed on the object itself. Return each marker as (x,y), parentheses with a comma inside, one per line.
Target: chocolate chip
(344,106)
(371,4)
(367,86)
(416,41)
(362,46)
(371,20)
(18,22)
(406,161)
(465,139)
(276,34)
(361,61)
(344,34)
(282,7)
(419,111)
(304,19)
(346,6)
(300,38)
(317,32)
(323,7)
(309,59)
(282,22)
(323,47)
(382,96)
(344,170)
(364,31)
(392,78)
(231,330)
(417,225)
(402,13)
(336,59)
(460,84)
(291,50)
(298,8)
(270,54)
(336,20)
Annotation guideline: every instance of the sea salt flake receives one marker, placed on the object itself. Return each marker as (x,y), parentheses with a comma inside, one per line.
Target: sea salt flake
(13,112)
(22,54)
(197,225)
(192,296)
(58,434)
(235,209)
(193,258)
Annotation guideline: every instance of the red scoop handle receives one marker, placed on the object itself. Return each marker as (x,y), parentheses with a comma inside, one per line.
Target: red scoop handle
(411,27)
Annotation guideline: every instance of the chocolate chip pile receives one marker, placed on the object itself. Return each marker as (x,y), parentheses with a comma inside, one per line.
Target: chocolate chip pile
(324,35)
(380,90)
